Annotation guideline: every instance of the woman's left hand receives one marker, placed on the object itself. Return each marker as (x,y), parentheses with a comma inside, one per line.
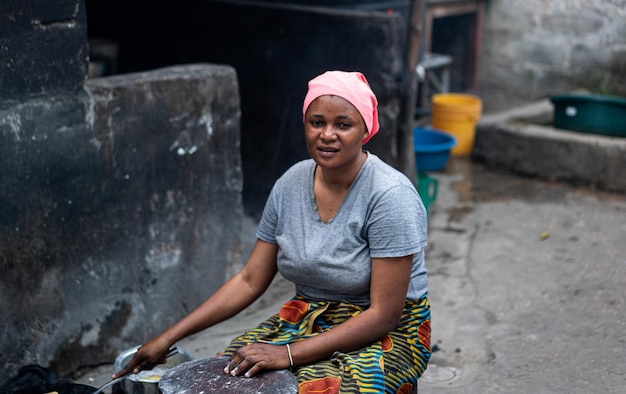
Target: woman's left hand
(251,359)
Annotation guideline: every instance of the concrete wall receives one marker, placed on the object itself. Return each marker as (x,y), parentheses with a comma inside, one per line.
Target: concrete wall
(120,198)
(536,48)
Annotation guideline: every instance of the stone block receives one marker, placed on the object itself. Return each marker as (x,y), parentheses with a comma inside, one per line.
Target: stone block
(121,211)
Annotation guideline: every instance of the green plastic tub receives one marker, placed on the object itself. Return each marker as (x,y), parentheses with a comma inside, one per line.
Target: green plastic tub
(595,114)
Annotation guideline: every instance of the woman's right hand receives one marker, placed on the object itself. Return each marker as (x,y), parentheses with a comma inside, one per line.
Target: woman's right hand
(231,298)
(147,357)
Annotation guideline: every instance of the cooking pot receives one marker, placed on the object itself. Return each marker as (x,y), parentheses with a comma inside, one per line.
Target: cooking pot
(70,388)
(147,382)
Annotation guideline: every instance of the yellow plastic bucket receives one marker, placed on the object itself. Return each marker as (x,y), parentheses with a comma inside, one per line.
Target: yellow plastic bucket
(457,114)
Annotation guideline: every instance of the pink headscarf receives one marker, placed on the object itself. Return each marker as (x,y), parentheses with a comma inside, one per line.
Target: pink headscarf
(351,86)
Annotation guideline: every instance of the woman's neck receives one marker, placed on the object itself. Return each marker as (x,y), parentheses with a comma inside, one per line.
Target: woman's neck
(339,179)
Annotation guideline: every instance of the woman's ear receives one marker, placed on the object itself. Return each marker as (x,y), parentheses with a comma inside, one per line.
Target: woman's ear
(365,135)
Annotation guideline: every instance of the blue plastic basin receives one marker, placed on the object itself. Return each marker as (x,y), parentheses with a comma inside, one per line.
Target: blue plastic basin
(432,148)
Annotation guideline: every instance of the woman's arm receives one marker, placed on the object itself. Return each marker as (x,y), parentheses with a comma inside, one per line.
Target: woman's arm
(231,298)
(389,284)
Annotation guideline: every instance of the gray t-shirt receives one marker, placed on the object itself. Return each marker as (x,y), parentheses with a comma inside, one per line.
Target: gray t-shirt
(381,216)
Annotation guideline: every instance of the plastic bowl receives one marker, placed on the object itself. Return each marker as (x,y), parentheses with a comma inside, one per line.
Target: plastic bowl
(596,114)
(432,148)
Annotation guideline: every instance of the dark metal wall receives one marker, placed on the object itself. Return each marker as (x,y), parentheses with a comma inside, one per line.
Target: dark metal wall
(275,48)
(42,48)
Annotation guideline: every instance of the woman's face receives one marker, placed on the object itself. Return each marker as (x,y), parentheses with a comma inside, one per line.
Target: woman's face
(334,131)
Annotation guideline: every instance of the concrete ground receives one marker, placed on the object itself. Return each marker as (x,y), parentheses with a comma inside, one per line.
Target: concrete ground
(527,287)
(527,284)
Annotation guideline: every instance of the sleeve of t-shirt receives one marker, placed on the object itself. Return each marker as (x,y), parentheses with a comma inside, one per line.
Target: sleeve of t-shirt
(397,223)
(269,220)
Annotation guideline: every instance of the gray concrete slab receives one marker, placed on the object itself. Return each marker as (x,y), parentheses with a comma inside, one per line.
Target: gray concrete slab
(524,141)
(527,286)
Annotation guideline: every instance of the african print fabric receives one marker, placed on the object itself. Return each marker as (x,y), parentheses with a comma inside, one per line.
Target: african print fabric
(390,365)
